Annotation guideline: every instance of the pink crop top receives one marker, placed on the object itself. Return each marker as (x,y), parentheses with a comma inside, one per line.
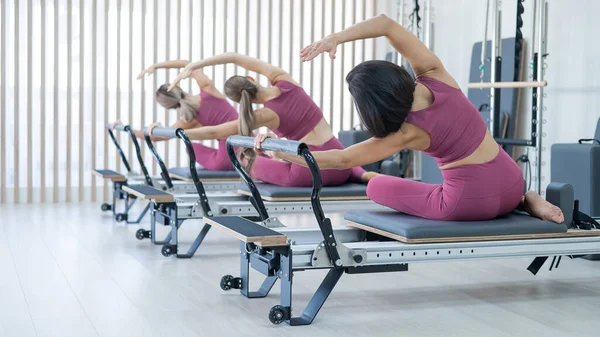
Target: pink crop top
(298,114)
(214,110)
(454,125)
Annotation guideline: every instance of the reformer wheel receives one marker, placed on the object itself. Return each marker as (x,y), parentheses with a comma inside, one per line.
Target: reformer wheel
(168,250)
(142,234)
(229,282)
(120,217)
(277,314)
(106,207)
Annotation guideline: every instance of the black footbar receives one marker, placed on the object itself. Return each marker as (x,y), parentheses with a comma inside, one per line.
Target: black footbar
(118,192)
(298,149)
(119,127)
(192,164)
(138,153)
(166,213)
(164,172)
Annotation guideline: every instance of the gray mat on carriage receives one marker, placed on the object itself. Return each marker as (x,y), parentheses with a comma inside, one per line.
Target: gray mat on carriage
(342,192)
(184,172)
(408,228)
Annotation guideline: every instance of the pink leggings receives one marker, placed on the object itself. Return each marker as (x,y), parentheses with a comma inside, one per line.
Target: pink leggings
(283,173)
(213,159)
(469,192)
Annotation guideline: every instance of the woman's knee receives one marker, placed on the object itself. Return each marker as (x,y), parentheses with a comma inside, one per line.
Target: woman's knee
(375,187)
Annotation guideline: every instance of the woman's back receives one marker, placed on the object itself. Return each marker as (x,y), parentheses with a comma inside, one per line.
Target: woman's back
(455,127)
(298,113)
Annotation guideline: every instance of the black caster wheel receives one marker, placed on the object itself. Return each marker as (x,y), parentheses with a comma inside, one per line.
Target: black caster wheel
(106,207)
(226,282)
(120,217)
(142,234)
(277,314)
(168,250)
(229,282)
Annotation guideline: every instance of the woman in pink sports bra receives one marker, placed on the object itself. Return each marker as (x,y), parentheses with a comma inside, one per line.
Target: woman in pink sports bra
(481,181)
(207,109)
(287,110)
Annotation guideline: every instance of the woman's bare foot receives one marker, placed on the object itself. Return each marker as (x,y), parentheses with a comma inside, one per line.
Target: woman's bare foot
(367,176)
(537,206)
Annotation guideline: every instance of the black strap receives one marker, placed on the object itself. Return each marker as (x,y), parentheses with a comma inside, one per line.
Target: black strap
(582,220)
(536,264)
(589,140)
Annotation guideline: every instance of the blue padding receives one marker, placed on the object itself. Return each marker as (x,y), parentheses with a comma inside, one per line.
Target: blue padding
(274,191)
(411,227)
(578,165)
(109,173)
(203,174)
(148,190)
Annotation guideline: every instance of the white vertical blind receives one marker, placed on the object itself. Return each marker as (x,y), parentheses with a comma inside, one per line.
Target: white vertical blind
(68,67)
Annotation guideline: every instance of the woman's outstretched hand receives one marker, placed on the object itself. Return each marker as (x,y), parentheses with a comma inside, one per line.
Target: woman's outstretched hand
(148,71)
(112,126)
(185,73)
(327,45)
(261,138)
(152,126)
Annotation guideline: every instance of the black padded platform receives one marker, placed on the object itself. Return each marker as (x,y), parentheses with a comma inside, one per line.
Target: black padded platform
(183,173)
(412,229)
(248,231)
(281,193)
(148,190)
(149,193)
(108,173)
(111,175)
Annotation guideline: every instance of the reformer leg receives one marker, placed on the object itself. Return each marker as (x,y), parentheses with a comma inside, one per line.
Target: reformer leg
(141,216)
(283,312)
(229,282)
(170,246)
(265,287)
(197,242)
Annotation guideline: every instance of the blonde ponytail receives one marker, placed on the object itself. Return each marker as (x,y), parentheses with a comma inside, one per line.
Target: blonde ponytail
(240,89)
(175,99)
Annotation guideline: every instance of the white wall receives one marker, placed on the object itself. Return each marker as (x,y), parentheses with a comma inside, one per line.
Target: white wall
(573,73)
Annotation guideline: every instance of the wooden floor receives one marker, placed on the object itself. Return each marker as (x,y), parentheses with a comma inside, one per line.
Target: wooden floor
(72,271)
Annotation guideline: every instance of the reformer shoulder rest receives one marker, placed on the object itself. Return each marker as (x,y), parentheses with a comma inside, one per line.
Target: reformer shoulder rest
(281,193)
(149,193)
(183,173)
(110,175)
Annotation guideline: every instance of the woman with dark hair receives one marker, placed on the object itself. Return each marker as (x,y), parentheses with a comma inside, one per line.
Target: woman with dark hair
(208,108)
(287,110)
(481,181)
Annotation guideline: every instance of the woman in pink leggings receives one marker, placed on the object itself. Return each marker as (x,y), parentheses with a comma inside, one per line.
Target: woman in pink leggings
(432,115)
(208,108)
(287,110)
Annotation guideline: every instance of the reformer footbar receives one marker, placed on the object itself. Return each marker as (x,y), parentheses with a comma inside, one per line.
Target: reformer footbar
(373,247)
(165,206)
(172,210)
(213,180)
(119,181)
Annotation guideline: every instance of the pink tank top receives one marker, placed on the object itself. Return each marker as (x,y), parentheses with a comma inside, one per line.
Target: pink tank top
(214,110)
(298,114)
(454,125)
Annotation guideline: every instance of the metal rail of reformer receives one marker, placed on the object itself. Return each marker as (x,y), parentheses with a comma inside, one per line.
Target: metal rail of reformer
(350,253)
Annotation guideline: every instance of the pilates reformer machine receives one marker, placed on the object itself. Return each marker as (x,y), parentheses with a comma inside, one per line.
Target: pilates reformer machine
(172,210)
(386,241)
(214,180)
